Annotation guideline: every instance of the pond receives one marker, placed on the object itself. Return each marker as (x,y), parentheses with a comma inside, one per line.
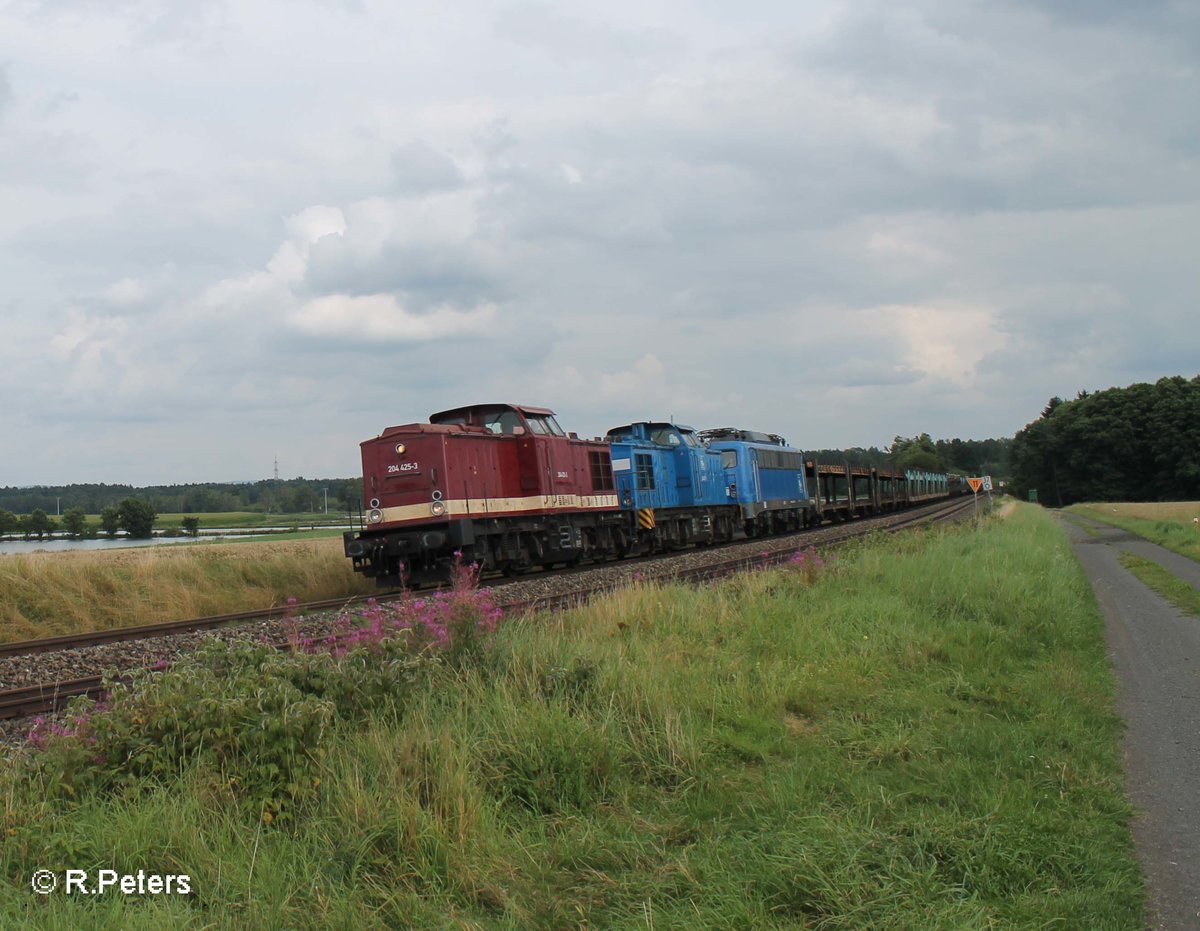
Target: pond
(57,545)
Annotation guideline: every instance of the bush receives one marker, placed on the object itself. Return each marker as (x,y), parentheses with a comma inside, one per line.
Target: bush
(252,709)
(240,707)
(137,517)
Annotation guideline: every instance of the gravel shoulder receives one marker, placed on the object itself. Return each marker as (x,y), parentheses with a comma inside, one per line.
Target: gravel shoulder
(1155,650)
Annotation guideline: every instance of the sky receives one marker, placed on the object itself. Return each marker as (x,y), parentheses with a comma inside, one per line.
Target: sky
(235,233)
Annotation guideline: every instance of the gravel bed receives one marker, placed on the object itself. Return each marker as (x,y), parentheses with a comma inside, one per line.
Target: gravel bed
(77,663)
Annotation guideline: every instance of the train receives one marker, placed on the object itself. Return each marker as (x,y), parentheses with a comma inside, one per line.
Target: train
(503,486)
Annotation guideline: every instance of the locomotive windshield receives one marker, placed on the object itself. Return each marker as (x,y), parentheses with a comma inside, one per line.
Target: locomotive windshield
(544,425)
(505,421)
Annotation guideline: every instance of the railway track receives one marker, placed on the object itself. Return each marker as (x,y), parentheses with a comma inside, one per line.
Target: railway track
(42,698)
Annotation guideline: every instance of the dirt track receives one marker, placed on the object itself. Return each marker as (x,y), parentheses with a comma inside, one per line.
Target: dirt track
(1155,650)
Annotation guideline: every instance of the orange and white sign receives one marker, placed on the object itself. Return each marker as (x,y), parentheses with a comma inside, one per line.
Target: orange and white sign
(976,484)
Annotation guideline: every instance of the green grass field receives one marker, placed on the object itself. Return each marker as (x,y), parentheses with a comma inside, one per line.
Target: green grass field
(921,736)
(247,520)
(1174,524)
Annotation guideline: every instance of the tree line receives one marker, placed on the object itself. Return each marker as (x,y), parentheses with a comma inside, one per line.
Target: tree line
(287,496)
(962,457)
(1140,443)
(134,516)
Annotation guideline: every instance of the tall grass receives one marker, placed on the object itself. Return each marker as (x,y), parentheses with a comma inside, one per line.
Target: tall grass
(920,737)
(45,594)
(1172,524)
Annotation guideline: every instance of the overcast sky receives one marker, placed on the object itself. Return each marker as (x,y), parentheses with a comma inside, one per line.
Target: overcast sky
(232,231)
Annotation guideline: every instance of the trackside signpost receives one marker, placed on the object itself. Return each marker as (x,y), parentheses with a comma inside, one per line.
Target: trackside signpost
(976,484)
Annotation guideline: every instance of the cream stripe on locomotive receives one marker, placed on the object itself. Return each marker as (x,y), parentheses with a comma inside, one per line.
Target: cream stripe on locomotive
(482,507)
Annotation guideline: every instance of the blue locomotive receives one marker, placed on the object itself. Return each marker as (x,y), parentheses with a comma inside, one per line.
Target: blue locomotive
(672,486)
(765,477)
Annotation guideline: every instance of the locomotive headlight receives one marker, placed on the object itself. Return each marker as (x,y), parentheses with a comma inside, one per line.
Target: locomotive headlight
(375,516)
(400,447)
(438,508)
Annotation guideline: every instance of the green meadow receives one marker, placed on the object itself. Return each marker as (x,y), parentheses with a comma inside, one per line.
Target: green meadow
(1171,524)
(917,734)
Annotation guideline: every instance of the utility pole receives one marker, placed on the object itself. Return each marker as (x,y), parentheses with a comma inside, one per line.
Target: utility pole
(326,490)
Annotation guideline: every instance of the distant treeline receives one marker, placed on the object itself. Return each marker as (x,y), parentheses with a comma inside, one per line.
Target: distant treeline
(286,496)
(1140,443)
(963,457)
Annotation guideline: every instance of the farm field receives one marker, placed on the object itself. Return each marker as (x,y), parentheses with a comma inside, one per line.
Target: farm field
(919,734)
(48,594)
(247,520)
(1173,524)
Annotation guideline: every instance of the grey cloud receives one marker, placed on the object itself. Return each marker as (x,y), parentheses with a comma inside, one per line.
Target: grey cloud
(1031,114)
(428,273)
(6,91)
(541,25)
(61,162)
(1141,15)
(863,373)
(141,236)
(419,168)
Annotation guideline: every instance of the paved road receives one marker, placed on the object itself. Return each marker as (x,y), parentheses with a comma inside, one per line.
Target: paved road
(1155,650)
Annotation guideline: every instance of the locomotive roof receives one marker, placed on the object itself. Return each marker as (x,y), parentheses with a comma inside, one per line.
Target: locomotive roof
(653,423)
(523,408)
(739,433)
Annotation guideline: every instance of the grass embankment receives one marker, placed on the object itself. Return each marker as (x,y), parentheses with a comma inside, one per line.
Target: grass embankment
(1166,583)
(1170,524)
(922,737)
(46,594)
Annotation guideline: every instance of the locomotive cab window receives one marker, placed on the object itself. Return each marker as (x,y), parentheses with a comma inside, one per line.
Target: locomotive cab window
(643,466)
(502,421)
(729,459)
(544,425)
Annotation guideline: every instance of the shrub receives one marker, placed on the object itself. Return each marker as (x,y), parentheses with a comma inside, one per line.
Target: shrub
(251,709)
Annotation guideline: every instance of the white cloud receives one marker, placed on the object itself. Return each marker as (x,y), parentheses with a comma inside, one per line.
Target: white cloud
(899,247)
(380,319)
(945,343)
(128,292)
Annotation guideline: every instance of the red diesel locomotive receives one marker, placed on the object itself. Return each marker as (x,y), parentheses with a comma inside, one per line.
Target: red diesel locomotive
(501,484)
